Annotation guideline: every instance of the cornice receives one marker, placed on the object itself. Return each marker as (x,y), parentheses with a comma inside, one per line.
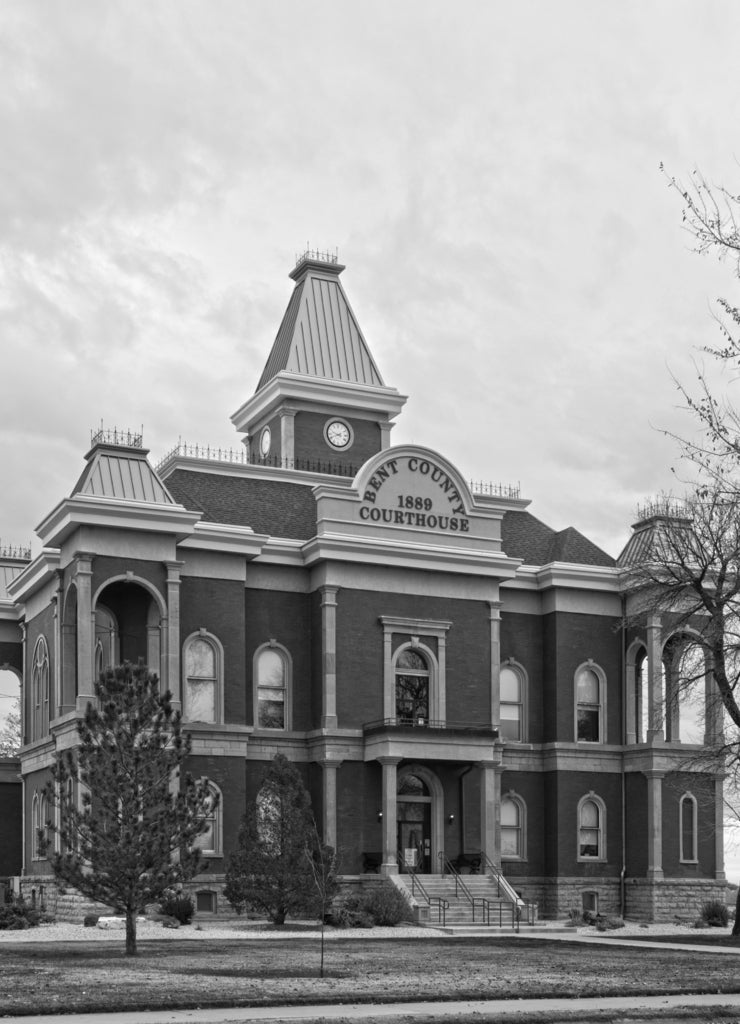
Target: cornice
(477,562)
(36,574)
(251,471)
(317,392)
(84,510)
(237,540)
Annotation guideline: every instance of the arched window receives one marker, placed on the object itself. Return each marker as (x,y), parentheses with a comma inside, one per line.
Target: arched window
(203,678)
(591,828)
(35,825)
(687,815)
(412,688)
(513,693)
(210,842)
(272,674)
(513,827)
(40,688)
(590,688)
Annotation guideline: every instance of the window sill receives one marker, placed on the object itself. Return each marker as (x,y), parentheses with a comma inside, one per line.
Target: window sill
(591,860)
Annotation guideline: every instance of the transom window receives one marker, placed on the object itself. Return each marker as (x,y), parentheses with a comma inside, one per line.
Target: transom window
(590,692)
(40,688)
(202,669)
(591,815)
(688,828)
(210,841)
(512,828)
(512,693)
(272,678)
(412,688)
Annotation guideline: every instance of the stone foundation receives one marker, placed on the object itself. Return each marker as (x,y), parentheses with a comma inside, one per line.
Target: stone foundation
(643,900)
(671,897)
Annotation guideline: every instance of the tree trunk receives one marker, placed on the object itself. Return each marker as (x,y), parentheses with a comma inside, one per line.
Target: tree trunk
(736,925)
(130,932)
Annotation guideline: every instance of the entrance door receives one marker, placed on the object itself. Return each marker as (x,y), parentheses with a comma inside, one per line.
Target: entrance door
(414,836)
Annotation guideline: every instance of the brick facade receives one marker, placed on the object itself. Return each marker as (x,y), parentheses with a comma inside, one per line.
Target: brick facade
(392,597)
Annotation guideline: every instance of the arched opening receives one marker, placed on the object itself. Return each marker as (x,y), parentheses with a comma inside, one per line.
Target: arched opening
(686,682)
(412,688)
(10,712)
(128,623)
(419,817)
(68,695)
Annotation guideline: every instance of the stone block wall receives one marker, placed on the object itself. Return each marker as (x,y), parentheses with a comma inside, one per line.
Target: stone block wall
(670,898)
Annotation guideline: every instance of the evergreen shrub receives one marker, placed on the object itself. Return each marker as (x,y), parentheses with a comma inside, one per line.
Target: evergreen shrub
(715,914)
(177,905)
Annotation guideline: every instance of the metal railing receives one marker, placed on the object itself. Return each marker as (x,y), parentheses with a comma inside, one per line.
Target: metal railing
(241,457)
(521,909)
(475,902)
(438,902)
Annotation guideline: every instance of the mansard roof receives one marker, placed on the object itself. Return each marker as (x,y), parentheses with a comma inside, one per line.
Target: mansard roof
(277,508)
(319,335)
(9,570)
(281,508)
(121,471)
(526,537)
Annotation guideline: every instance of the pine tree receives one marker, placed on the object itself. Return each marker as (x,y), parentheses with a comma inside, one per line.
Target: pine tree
(269,870)
(128,820)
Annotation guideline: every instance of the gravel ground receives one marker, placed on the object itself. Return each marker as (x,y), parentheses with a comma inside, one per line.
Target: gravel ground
(232,929)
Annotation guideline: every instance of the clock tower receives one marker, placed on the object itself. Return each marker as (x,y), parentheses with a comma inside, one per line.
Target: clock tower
(321,402)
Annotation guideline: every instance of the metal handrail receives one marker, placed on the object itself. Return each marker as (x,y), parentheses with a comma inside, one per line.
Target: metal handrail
(447,865)
(518,905)
(439,902)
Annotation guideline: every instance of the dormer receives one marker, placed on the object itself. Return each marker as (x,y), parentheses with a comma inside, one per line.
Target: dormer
(321,401)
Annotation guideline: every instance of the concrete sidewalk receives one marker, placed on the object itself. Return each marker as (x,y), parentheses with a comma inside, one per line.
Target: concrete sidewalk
(442,1011)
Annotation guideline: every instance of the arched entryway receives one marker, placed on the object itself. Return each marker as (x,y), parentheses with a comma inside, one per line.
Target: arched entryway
(419,815)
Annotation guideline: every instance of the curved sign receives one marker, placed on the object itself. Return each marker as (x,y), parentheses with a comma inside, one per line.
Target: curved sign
(413,491)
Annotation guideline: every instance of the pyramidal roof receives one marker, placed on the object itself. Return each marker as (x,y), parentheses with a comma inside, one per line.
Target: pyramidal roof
(319,335)
(117,467)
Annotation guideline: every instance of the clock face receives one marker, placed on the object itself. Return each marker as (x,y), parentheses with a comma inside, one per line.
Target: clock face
(337,434)
(265,441)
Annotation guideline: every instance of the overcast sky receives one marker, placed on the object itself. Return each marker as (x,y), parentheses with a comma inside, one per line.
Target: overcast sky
(488,171)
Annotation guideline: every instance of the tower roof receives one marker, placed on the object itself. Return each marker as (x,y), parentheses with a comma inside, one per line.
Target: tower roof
(319,335)
(117,467)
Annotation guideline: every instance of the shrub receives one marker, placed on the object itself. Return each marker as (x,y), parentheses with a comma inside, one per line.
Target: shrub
(18,915)
(382,906)
(387,906)
(90,920)
(349,914)
(608,924)
(177,905)
(715,914)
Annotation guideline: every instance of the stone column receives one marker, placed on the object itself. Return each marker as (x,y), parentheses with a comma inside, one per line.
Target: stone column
(329,648)
(329,816)
(85,630)
(385,434)
(713,710)
(171,636)
(494,616)
(55,698)
(490,810)
(719,836)
(390,815)
(654,733)
(655,824)
(287,436)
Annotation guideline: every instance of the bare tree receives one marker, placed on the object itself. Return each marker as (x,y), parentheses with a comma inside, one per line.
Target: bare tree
(10,733)
(711,215)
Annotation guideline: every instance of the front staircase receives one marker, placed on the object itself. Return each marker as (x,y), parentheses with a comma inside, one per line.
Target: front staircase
(465,903)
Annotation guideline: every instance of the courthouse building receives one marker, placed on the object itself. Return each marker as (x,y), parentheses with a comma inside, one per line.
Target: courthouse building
(451,675)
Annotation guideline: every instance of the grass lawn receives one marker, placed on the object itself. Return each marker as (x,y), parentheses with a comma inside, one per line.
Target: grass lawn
(49,977)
